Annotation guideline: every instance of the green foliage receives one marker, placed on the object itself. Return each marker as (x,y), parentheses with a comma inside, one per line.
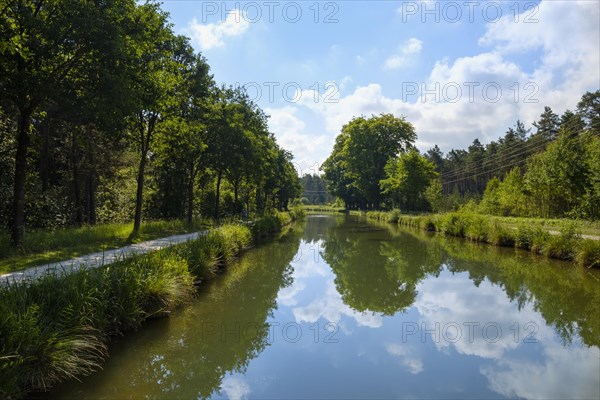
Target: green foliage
(314,190)
(407,178)
(362,150)
(434,196)
(133,98)
(273,223)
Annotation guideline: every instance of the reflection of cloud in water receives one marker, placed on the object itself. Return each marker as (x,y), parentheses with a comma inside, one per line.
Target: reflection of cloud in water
(287,296)
(564,373)
(407,358)
(235,388)
(309,263)
(331,307)
(448,301)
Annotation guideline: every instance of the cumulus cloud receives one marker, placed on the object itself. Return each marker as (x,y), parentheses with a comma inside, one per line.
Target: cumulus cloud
(474,96)
(406,54)
(211,35)
(568,34)
(292,134)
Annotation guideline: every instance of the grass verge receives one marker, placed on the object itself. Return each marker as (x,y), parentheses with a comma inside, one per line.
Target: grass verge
(42,247)
(322,209)
(57,327)
(563,244)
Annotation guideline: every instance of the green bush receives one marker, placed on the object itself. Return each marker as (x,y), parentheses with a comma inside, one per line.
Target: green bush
(452,224)
(499,235)
(524,236)
(588,253)
(393,216)
(475,227)
(562,246)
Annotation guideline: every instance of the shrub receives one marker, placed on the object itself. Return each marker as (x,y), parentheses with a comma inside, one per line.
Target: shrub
(452,224)
(588,253)
(499,235)
(562,246)
(393,216)
(539,239)
(476,227)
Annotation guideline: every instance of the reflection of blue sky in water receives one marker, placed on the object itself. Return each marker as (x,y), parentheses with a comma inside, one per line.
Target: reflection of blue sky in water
(550,369)
(377,357)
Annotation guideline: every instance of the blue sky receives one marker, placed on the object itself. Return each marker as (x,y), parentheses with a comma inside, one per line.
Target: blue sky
(456,70)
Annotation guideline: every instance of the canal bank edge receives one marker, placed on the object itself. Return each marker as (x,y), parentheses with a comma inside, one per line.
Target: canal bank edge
(568,245)
(57,328)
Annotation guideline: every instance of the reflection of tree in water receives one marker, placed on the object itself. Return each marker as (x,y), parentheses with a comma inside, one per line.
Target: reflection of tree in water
(374,273)
(318,225)
(221,334)
(567,296)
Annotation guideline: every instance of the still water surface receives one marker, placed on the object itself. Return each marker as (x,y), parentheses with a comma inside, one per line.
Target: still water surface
(342,308)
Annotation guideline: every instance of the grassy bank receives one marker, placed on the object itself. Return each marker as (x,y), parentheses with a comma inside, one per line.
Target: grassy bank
(567,244)
(322,209)
(56,328)
(43,247)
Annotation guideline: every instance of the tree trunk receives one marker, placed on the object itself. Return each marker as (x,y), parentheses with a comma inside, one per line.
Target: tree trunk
(92,199)
(137,221)
(18,211)
(91,182)
(219,176)
(190,211)
(145,132)
(76,189)
(235,197)
(45,156)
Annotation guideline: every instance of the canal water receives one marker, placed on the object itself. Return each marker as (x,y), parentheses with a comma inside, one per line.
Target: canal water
(344,308)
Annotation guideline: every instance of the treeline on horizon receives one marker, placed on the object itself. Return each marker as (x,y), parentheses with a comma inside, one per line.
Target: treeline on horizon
(107,115)
(552,171)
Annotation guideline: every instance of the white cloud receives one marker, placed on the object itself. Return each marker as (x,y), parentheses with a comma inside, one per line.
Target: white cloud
(568,34)
(450,303)
(212,35)
(292,135)
(407,358)
(331,307)
(406,54)
(287,295)
(447,300)
(567,38)
(235,388)
(546,379)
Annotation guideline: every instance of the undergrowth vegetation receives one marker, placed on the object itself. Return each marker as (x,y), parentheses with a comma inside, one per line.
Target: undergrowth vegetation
(567,244)
(57,327)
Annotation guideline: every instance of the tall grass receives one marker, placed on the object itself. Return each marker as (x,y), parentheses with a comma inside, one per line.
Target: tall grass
(567,245)
(272,223)
(56,328)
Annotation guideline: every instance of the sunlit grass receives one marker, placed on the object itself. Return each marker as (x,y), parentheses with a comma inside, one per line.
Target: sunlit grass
(42,247)
(560,239)
(322,209)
